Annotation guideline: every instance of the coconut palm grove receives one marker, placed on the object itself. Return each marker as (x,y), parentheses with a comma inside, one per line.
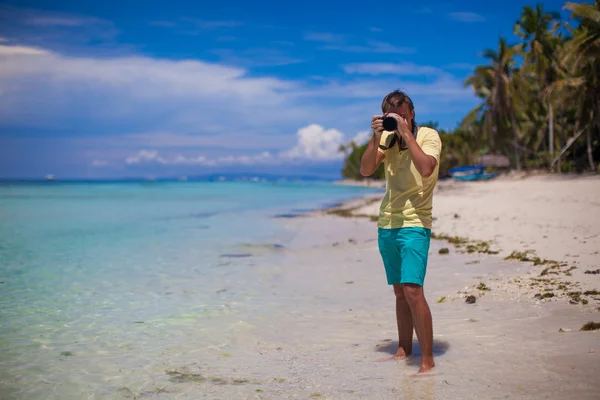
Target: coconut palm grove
(540,98)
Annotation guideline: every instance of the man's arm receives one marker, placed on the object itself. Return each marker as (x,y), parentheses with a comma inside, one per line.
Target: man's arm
(424,163)
(372,157)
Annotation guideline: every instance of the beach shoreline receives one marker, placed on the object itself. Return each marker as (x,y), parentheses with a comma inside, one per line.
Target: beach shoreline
(378,183)
(308,313)
(474,217)
(335,319)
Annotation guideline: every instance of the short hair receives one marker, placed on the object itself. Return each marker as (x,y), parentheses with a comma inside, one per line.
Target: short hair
(394,100)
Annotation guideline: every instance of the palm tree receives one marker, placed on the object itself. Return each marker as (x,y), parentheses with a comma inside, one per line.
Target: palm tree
(580,84)
(495,84)
(533,27)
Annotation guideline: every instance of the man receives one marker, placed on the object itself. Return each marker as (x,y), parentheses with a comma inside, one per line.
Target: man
(411,158)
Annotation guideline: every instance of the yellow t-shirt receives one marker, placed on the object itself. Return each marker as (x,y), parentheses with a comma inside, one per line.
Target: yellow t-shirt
(408,200)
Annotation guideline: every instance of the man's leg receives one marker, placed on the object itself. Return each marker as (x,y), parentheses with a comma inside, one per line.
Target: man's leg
(421,315)
(404,319)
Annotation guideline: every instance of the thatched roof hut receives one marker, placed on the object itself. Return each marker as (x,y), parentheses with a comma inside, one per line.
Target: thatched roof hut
(494,160)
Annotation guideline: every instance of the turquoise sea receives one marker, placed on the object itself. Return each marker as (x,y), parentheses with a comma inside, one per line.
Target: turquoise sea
(99,281)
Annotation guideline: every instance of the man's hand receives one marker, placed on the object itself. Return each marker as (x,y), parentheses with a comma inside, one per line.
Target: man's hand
(403,130)
(377,125)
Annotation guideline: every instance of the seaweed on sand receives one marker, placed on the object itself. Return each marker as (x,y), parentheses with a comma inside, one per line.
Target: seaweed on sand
(591,326)
(349,212)
(482,286)
(546,295)
(184,377)
(470,246)
(589,272)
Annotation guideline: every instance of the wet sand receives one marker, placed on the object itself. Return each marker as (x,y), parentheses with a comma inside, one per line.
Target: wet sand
(331,317)
(318,313)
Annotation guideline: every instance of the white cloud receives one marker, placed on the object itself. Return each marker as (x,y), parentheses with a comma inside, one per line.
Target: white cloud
(445,88)
(42,26)
(262,158)
(199,160)
(316,143)
(191,112)
(6,51)
(390,68)
(466,17)
(41,88)
(153,157)
(362,137)
(146,156)
(3,39)
(352,44)
(163,77)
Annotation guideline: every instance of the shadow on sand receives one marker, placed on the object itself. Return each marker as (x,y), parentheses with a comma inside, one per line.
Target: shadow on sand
(390,346)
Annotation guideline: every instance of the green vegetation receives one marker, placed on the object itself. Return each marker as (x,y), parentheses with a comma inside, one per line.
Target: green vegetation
(351,169)
(540,98)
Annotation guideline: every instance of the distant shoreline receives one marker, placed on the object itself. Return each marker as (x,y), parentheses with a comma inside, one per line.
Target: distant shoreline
(363,183)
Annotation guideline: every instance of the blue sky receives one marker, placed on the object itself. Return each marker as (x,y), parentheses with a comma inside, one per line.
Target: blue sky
(122,89)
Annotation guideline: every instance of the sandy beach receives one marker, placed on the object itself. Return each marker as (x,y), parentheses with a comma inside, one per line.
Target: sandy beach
(330,314)
(307,312)
(553,218)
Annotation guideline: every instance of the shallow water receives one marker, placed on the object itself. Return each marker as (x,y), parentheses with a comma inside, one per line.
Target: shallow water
(102,284)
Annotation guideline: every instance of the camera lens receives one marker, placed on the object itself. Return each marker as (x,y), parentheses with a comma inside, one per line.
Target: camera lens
(389,124)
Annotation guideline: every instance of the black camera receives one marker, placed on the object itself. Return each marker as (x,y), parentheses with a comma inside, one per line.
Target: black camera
(390,124)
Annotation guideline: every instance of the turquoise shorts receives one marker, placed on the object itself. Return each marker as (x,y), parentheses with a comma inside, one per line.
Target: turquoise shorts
(404,252)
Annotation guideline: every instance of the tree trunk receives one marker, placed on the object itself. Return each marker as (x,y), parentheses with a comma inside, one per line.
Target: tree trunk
(516,141)
(589,149)
(493,132)
(551,130)
(589,138)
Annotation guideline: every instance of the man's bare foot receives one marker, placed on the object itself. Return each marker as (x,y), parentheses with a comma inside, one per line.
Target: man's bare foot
(400,355)
(427,365)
